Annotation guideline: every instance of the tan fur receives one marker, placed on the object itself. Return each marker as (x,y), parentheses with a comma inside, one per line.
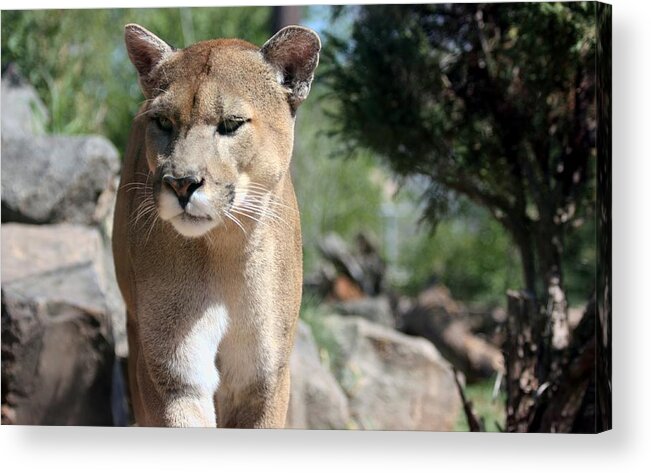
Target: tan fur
(213,288)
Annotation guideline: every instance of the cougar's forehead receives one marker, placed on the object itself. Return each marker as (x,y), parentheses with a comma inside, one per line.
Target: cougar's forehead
(218,77)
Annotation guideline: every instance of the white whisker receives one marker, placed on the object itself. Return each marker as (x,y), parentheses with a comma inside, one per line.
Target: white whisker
(235,221)
(260,209)
(272,200)
(256,185)
(260,213)
(247,215)
(153,224)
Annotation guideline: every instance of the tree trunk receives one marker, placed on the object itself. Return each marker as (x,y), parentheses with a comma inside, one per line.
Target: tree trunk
(284,16)
(568,403)
(522,238)
(521,356)
(548,390)
(604,220)
(549,248)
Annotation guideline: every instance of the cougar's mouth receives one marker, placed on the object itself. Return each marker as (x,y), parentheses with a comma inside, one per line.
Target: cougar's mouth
(188,217)
(192,226)
(191,220)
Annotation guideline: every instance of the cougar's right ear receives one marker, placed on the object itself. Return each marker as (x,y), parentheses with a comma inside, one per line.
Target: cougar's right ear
(146,50)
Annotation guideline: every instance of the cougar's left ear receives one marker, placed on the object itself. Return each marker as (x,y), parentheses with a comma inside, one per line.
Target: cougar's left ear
(294,53)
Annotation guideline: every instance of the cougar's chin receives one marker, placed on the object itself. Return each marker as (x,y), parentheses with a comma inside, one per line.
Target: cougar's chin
(192,221)
(191,226)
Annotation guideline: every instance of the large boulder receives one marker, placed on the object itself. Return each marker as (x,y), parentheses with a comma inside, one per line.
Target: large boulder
(316,400)
(54,179)
(23,113)
(374,309)
(58,357)
(392,381)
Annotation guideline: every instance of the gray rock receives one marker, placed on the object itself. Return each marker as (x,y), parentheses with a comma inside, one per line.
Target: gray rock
(115,304)
(392,381)
(106,207)
(57,341)
(374,309)
(53,179)
(23,113)
(114,301)
(316,400)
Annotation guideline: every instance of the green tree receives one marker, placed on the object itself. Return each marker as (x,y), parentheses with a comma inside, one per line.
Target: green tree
(469,253)
(332,197)
(494,102)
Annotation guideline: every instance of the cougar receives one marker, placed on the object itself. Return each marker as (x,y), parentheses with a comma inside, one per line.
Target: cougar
(206,236)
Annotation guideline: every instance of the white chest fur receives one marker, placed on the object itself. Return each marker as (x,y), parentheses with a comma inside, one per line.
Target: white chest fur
(194,360)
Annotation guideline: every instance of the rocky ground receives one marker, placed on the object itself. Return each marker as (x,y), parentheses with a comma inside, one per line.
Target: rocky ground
(63,321)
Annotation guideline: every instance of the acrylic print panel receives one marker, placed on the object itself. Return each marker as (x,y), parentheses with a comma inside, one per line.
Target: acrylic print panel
(375,217)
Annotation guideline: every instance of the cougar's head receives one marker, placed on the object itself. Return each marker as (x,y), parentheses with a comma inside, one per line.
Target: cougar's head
(219,120)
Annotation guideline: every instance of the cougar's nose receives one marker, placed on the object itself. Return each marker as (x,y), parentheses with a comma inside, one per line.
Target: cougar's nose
(183,186)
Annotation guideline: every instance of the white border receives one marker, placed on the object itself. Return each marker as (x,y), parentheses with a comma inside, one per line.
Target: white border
(627,448)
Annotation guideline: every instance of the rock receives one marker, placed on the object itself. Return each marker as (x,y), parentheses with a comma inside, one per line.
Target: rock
(345,289)
(362,265)
(316,400)
(105,211)
(23,113)
(374,309)
(114,300)
(115,305)
(53,179)
(57,341)
(392,381)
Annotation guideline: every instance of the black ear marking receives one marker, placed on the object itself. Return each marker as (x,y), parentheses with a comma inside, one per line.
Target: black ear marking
(145,50)
(294,53)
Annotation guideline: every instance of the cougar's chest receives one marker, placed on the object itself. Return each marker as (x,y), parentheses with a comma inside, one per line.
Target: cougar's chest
(195,354)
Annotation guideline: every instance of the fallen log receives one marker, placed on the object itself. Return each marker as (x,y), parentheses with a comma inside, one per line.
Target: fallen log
(440,320)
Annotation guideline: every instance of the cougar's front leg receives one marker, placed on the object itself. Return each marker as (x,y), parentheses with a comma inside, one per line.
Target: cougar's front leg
(259,404)
(176,372)
(254,367)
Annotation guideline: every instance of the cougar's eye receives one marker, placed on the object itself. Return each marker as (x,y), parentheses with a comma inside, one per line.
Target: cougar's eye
(228,126)
(164,123)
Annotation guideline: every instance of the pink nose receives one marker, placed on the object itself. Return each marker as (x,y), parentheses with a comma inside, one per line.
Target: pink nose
(183,186)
